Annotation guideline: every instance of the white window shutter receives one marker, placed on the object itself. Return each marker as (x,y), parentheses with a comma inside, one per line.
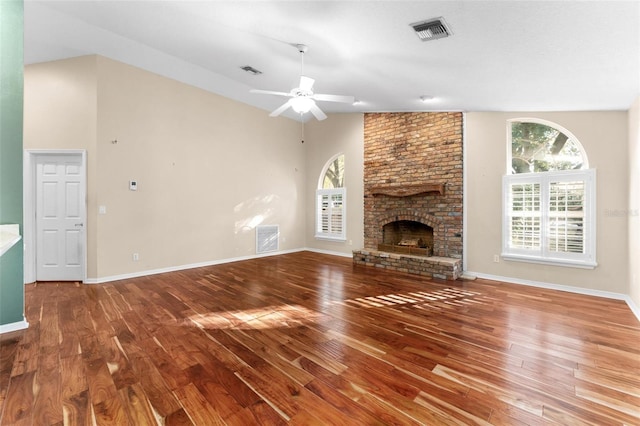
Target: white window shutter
(550,218)
(565,228)
(330,213)
(524,215)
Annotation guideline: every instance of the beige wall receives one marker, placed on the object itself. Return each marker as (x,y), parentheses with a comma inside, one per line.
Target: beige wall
(634,203)
(604,137)
(208,169)
(340,133)
(60,112)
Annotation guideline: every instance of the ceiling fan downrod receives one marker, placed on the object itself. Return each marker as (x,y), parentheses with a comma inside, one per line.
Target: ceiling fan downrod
(302,48)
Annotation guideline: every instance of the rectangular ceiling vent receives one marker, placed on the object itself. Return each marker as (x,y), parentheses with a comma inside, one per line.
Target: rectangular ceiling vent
(432,29)
(251,70)
(267,238)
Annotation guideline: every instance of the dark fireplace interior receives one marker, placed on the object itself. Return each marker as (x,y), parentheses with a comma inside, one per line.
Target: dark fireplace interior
(409,237)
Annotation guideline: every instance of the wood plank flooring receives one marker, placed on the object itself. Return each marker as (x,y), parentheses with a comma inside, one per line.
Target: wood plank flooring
(310,339)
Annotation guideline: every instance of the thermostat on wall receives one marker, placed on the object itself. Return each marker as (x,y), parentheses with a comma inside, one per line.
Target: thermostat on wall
(133,185)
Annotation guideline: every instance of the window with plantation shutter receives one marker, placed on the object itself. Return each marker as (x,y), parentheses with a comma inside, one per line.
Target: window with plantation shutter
(330,204)
(566,217)
(549,212)
(524,216)
(331,201)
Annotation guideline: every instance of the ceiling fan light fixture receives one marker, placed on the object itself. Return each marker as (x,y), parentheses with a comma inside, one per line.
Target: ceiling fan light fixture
(302,99)
(302,104)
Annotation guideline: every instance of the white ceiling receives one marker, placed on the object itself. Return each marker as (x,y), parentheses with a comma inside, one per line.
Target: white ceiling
(502,56)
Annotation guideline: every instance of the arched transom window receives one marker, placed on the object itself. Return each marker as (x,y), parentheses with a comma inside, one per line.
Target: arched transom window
(540,147)
(334,173)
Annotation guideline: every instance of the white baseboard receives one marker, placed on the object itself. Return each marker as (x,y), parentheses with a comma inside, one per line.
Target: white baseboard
(138,274)
(333,253)
(14,326)
(578,290)
(634,308)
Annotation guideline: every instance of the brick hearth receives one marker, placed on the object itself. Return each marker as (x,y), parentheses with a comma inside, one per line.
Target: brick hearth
(413,172)
(445,268)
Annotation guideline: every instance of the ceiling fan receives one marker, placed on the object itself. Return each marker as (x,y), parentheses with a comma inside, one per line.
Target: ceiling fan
(303,99)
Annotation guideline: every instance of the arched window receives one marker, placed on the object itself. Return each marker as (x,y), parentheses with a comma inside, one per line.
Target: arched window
(549,196)
(333,176)
(331,201)
(539,146)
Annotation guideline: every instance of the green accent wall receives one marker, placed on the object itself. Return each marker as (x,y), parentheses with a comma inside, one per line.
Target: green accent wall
(11,116)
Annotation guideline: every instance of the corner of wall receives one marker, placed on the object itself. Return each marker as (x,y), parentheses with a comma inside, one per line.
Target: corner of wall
(634,204)
(11,123)
(340,133)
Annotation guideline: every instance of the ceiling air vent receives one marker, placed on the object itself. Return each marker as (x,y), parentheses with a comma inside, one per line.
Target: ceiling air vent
(251,70)
(432,29)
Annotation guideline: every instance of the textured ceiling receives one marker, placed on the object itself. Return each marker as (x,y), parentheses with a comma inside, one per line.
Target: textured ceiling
(502,56)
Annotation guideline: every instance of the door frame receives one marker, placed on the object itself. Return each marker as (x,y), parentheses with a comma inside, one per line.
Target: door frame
(29,203)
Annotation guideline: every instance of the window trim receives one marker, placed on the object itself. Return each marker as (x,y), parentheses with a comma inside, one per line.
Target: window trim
(342,236)
(542,255)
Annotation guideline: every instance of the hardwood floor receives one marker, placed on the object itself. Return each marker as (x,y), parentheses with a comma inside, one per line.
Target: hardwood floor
(307,339)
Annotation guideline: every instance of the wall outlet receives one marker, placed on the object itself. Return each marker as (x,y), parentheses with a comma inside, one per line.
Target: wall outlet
(496,258)
(136,257)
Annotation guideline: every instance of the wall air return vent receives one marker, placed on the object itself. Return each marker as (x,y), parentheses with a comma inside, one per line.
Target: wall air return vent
(432,29)
(267,238)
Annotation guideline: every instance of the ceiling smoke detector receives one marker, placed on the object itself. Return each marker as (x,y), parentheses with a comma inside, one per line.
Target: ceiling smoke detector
(431,29)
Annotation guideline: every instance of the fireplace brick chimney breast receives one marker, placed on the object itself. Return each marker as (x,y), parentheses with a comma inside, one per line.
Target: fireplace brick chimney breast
(413,171)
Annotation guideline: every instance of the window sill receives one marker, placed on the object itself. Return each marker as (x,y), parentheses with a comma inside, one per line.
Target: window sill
(554,262)
(329,238)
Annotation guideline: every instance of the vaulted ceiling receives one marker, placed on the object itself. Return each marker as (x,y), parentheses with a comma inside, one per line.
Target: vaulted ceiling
(501,56)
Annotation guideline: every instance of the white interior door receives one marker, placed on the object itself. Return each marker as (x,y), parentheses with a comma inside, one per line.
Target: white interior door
(60,218)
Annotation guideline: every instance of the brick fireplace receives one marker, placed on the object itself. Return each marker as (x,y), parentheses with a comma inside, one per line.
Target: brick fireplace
(413,193)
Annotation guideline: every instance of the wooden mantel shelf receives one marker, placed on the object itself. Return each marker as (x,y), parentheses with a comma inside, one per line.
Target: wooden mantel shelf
(408,190)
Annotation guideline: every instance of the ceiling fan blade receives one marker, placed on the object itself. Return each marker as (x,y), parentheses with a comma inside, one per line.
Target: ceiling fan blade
(269,92)
(306,83)
(317,112)
(281,109)
(334,98)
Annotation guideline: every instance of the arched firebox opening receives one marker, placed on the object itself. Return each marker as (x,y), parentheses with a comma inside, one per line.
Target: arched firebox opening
(408,237)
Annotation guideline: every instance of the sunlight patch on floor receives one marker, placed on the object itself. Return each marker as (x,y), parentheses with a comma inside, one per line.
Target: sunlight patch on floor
(447,295)
(275,316)
(289,316)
